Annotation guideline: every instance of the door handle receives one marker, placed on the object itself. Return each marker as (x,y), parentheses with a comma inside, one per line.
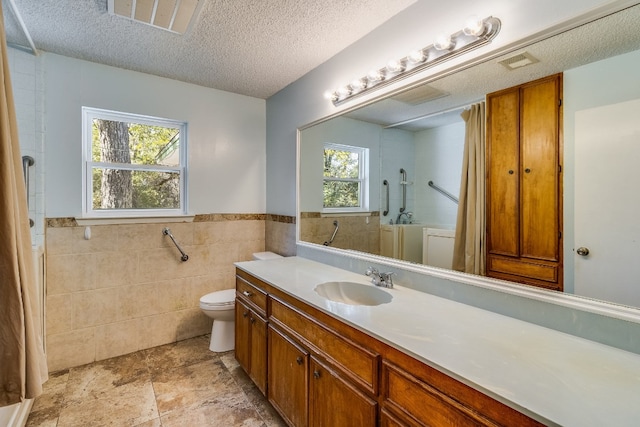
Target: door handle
(582,251)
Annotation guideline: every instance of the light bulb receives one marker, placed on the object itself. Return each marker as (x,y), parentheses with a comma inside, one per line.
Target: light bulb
(330,95)
(395,66)
(343,92)
(417,56)
(474,26)
(375,76)
(358,84)
(443,42)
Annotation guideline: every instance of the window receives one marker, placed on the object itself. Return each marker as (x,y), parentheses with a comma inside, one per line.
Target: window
(133,165)
(345,181)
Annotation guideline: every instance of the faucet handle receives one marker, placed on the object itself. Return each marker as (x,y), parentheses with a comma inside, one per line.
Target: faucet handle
(371,270)
(386,279)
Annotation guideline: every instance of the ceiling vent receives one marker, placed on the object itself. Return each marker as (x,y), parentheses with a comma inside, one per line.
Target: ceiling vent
(420,95)
(176,16)
(518,61)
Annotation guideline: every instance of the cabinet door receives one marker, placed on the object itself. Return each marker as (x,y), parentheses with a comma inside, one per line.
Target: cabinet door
(288,376)
(539,170)
(243,334)
(503,171)
(258,352)
(333,401)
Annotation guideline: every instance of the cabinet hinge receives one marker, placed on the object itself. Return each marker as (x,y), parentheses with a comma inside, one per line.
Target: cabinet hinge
(559,235)
(560,168)
(560,102)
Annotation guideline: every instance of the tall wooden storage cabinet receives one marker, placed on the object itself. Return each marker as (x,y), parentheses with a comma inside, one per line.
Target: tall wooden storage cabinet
(524,186)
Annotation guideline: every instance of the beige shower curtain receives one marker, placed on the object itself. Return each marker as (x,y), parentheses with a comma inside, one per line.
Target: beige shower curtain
(468,248)
(23,367)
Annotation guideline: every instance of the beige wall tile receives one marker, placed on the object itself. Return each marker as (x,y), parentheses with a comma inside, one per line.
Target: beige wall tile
(154,298)
(69,273)
(70,349)
(149,236)
(59,314)
(95,307)
(158,330)
(119,338)
(70,240)
(115,268)
(191,323)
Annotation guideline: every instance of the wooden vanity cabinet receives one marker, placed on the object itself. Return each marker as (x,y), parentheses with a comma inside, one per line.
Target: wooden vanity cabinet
(335,401)
(524,185)
(251,330)
(324,372)
(288,378)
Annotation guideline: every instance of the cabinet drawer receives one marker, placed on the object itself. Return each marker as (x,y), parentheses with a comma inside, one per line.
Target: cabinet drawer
(418,401)
(357,362)
(545,272)
(253,295)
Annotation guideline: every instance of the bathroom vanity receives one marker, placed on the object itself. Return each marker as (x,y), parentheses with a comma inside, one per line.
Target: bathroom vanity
(416,360)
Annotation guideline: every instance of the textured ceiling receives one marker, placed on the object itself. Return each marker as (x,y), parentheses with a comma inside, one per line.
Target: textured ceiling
(250,47)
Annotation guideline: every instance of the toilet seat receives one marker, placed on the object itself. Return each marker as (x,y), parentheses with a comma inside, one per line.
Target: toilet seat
(219,300)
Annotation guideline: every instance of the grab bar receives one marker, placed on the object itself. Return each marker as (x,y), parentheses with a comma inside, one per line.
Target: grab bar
(443,192)
(167,232)
(333,236)
(26,162)
(403,182)
(386,184)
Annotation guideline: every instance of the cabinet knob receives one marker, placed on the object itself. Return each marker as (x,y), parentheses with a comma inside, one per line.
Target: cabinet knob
(527,170)
(253,320)
(246,293)
(245,314)
(316,374)
(510,171)
(299,360)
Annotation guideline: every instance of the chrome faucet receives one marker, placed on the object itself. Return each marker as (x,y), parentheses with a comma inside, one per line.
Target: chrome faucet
(409,215)
(380,279)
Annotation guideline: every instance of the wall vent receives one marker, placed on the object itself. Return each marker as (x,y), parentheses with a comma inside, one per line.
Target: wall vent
(176,16)
(518,61)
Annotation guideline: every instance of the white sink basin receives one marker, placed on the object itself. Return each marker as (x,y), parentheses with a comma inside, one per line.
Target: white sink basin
(353,293)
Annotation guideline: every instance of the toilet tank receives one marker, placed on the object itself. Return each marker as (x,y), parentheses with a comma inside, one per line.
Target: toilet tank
(438,247)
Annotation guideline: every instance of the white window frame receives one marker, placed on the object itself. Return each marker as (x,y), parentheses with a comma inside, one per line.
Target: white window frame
(363,178)
(88,115)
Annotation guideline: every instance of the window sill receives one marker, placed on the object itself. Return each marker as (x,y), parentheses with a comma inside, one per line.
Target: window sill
(134,220)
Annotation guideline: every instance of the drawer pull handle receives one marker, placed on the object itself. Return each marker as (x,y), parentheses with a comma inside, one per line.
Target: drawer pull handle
(299,360)
(316,374)
(246,293)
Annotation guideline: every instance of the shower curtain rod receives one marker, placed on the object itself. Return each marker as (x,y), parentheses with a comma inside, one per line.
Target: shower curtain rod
(437,113)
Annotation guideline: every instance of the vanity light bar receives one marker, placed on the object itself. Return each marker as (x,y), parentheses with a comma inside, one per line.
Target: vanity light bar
(475,34)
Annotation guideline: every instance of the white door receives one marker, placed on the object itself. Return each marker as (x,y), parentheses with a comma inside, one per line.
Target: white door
(607,203)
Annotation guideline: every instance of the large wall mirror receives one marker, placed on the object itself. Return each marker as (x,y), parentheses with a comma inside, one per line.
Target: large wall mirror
(411,147)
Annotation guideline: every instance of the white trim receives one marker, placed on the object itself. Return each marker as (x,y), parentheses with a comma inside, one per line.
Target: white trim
(88,114)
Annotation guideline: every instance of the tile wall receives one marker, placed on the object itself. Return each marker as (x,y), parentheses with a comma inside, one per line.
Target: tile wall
(125,288)
(360,233)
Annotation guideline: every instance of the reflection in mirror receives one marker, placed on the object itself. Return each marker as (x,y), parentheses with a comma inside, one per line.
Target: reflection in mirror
(421,132)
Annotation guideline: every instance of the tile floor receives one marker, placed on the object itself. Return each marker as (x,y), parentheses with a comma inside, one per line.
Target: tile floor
(179,384)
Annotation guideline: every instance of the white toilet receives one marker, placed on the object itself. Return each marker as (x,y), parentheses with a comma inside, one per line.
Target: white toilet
(220,306)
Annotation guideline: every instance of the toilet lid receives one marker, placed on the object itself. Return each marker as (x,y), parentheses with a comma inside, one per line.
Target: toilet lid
(226,297)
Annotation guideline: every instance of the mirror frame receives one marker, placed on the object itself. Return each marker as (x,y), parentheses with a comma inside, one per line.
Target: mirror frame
(570,301)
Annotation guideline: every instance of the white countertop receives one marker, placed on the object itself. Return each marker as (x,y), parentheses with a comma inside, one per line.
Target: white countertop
(551,376)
